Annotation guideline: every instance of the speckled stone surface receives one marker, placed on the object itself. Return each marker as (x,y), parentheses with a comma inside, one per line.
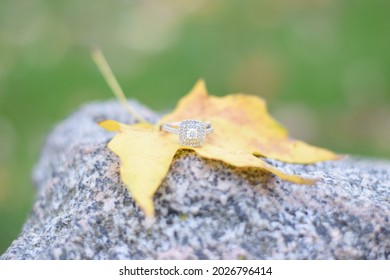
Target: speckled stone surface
(205,208)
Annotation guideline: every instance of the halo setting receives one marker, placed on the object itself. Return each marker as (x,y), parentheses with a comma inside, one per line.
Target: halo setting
(192,133)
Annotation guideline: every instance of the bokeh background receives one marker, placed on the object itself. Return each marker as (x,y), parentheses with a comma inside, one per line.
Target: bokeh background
(322,65)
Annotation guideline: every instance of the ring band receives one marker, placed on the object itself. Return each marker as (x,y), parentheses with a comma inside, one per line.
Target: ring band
(191,132)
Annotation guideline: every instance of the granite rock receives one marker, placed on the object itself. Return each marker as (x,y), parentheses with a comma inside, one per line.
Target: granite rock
(205,209)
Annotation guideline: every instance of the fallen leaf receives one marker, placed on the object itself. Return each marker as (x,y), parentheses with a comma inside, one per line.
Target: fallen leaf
(243,133)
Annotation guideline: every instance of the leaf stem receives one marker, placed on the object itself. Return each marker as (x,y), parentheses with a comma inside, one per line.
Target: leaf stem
(104,68)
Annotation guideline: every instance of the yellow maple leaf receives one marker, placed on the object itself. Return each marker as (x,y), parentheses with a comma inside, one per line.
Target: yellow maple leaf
(243,133)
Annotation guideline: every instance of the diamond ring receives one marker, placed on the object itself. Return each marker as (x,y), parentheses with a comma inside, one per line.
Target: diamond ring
(191,132)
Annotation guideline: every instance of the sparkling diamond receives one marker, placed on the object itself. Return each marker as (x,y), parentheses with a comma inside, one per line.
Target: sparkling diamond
(192,133)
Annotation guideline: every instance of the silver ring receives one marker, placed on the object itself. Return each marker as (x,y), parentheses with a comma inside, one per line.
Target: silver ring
(191,132)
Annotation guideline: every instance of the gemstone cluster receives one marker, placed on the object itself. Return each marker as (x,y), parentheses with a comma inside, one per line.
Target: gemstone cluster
(192,133)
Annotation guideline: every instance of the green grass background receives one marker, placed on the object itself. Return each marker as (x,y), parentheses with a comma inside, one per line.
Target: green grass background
(322,65)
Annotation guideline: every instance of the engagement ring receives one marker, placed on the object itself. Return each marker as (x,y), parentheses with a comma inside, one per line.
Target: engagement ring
(191,132)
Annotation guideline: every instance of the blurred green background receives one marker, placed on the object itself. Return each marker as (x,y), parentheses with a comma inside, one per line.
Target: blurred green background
(322,65)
